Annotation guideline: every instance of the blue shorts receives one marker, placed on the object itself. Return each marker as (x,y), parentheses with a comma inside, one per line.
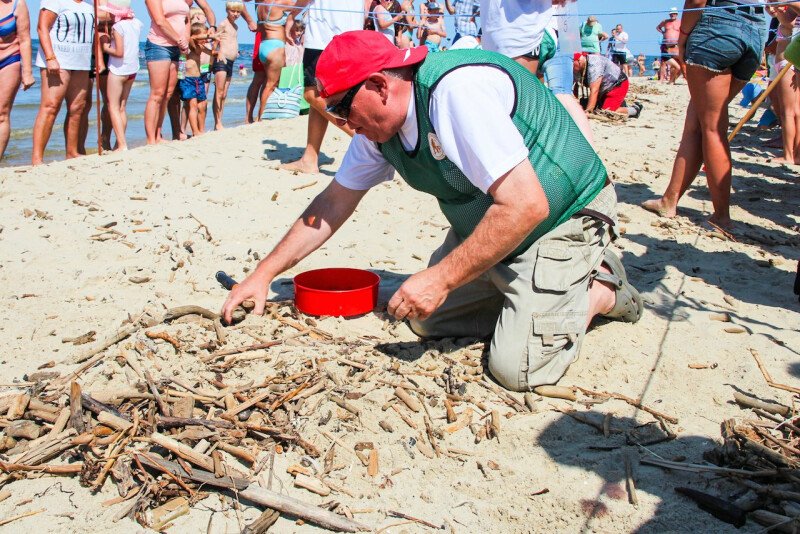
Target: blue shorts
(192,87)
(154,52)
(723,40)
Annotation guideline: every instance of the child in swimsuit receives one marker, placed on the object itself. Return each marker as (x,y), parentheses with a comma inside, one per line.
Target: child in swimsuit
(192,87)
(222,68)
(432,30)
(122,46)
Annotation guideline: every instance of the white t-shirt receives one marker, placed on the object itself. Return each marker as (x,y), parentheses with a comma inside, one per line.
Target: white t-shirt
(384,15)
(483,149)
(72,34)
(467,42)
(128,64)
(621,42)
(514,27)
(327,18)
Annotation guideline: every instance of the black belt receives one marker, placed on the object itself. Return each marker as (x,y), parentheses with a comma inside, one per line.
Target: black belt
(735,6)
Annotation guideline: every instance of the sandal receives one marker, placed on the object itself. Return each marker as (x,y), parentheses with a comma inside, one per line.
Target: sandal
(629,305)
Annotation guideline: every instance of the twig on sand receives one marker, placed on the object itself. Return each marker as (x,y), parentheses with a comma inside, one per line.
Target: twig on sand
(20,516)
(632,402)
(401,515)
(768,377)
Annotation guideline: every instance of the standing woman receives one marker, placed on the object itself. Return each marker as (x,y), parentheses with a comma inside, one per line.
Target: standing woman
(786,95)
(722,49)
(168,37)
(271,22)
(66,35)
(385,18)
(15,52)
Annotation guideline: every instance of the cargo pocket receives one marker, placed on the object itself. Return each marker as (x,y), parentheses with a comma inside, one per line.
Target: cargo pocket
(553,344)
(559,266)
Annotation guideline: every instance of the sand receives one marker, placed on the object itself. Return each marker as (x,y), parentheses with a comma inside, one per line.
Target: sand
(63,274)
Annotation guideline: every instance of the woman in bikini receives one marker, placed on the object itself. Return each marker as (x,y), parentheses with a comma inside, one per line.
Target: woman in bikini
(271,51)
(15,60)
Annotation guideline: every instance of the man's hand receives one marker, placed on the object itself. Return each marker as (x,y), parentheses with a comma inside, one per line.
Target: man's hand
(255,287)
(251,25)
(419,296)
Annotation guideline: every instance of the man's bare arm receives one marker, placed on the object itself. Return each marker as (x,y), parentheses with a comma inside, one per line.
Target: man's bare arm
(321,219)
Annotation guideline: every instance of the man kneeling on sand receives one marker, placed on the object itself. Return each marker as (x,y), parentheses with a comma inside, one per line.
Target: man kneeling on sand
(531,209)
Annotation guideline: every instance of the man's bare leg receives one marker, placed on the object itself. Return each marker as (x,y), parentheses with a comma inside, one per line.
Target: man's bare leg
(318,120)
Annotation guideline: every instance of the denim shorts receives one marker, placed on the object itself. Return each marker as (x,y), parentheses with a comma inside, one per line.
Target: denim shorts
(723,40)
(558,74)
(154,52)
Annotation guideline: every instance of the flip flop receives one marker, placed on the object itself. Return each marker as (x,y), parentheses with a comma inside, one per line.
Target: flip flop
(629,306)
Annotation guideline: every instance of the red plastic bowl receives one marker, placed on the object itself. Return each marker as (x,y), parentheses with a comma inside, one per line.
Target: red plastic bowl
(337,291)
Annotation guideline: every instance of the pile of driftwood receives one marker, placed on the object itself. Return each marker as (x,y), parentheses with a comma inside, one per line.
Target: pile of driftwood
(166,439)
(760,455)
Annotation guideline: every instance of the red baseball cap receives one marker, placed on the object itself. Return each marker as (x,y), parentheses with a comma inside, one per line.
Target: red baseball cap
(352,57)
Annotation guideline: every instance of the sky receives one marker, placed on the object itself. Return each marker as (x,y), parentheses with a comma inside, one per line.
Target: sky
(640,27)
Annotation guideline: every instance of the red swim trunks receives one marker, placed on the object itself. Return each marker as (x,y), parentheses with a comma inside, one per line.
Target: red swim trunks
(614,97)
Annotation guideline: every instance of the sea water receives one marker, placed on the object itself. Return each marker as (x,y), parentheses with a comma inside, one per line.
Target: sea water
(26,105)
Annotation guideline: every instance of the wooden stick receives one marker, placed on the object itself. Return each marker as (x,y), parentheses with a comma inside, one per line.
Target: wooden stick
(699,468)
(754,107)
(238,350)
(162,407)
(75,407)
(629,482)
(155,461)
(20,516)
(769,407)
(116,337)
(263,523)
(176,422)
(312,514)
(412,403)
(768,377)
(183,451)
(111,420)
(632,402)
(414,519)
(69,469)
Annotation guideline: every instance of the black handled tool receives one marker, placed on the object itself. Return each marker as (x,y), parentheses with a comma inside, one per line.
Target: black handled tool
(226,281)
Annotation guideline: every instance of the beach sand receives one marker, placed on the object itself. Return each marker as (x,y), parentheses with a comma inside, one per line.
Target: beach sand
(76,237)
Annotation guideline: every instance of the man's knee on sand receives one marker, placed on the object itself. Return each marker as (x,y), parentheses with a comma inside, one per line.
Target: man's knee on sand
(541,360)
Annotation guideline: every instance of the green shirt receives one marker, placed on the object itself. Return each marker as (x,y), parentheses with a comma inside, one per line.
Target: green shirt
(590,37)
(569,170)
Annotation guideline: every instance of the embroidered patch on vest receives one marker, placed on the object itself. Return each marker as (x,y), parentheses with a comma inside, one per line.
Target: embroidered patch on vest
(436,147)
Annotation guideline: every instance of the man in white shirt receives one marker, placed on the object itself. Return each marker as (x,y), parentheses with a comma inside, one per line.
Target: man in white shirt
(620,53)
(326,18)
(531,209)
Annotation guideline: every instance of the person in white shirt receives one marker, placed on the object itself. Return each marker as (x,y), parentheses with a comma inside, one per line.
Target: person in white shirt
(122,47)
(66,35)
(529,202)
(524,30)
(620,52)
(326,18)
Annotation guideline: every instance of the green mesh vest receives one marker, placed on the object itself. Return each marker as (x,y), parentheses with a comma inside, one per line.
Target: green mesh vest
(569,170)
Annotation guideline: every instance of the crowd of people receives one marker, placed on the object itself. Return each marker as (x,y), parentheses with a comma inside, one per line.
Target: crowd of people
(186,50)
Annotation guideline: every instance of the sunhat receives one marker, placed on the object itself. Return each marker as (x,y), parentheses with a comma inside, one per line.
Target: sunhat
(673,10)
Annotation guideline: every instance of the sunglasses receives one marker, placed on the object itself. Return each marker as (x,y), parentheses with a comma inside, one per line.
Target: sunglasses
(341,110)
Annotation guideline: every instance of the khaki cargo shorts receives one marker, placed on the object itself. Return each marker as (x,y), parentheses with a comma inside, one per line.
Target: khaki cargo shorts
(535,307)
